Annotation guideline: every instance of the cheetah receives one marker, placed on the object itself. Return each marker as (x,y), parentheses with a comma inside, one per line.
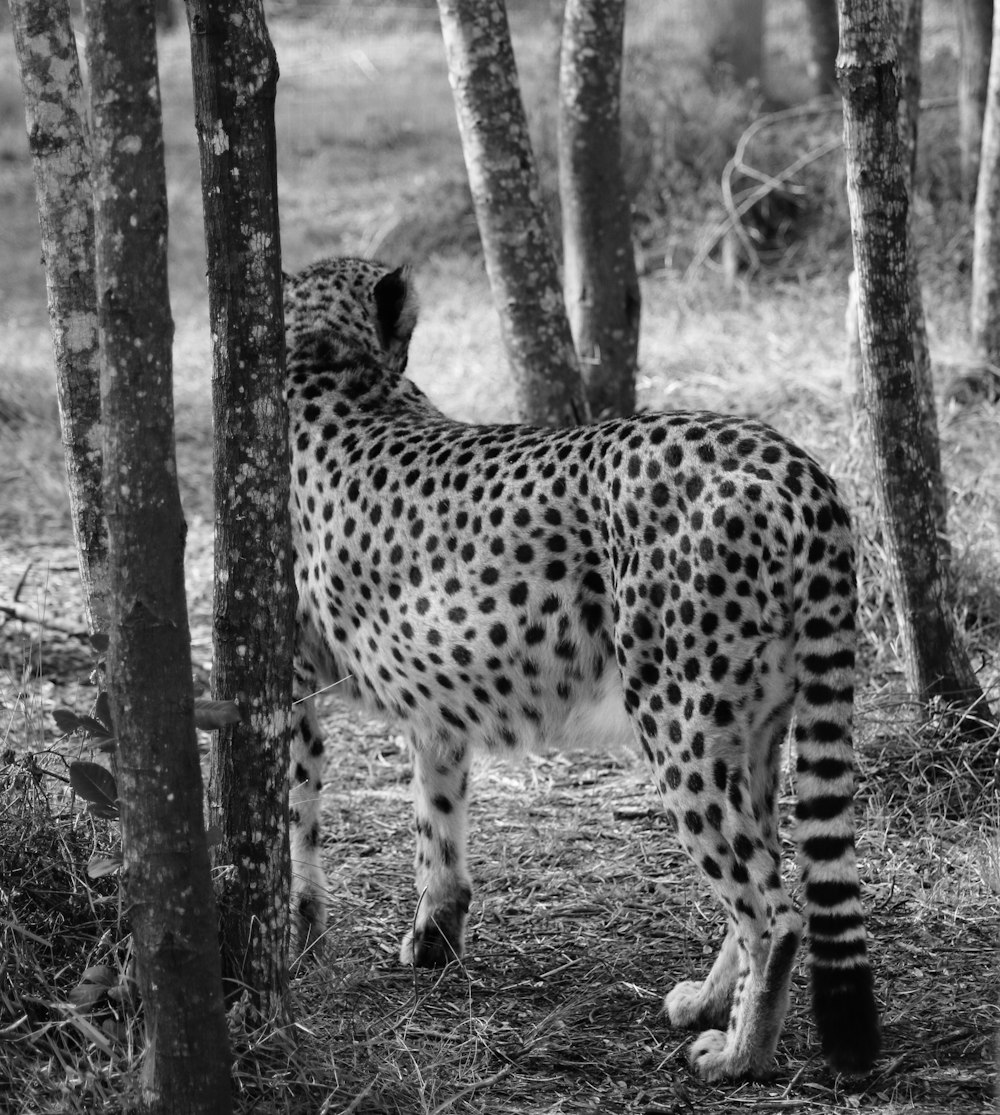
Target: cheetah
(682,581)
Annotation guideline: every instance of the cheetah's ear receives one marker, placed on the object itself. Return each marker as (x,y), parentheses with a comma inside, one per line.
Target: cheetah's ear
(395,310)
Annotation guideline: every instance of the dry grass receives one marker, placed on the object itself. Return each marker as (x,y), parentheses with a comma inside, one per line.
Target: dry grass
(585,912)
(55,923)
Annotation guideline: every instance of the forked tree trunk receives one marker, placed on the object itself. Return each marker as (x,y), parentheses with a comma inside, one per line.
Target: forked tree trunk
(520,260)
(53,101)
(975,33)
(235,81)
(935,660)
(824,39)
(602,290)
(168,885)
(986,241)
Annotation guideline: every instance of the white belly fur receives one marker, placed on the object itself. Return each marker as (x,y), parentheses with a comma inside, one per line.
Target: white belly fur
(599,722)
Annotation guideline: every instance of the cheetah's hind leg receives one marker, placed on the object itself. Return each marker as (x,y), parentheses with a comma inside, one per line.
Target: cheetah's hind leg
(440,801)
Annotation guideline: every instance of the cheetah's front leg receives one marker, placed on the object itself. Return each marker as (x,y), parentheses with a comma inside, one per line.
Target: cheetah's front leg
(705,1004)
(760,1002)
(440,801)
(308,897)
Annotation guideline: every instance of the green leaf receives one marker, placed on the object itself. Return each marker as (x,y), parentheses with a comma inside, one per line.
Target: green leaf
(210,715)
(93,728)
(98,866)
(93,985)
(95,784)
(99,973)
(66,720)
(102,710)
(86,995)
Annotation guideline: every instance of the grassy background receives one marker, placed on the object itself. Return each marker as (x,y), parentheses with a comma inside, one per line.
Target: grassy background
(585,913)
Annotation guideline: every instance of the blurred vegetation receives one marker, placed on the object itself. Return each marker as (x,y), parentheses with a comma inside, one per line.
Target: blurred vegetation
(682,118)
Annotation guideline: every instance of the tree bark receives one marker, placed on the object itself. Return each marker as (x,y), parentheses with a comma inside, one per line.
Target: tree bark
(986,242)
(935,661)
(520,260)
(975,33)
(168,885)
(599,277)
(235,81)
(53,101)
(824,39)
(907,21)
(908,15)
(854,380)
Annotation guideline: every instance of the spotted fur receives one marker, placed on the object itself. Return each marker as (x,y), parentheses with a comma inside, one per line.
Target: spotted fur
(682,581)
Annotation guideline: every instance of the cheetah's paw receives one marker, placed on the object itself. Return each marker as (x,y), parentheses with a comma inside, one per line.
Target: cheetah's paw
(429,947)
(688,1009)
(714,1056)
(438,937)
(708,1056)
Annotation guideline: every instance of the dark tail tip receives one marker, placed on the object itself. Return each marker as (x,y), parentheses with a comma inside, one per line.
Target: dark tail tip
(848,1022)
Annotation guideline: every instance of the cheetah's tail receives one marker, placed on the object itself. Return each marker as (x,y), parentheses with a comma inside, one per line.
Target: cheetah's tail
(843,996)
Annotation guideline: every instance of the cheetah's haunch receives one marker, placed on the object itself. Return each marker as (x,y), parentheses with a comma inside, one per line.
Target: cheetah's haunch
(686,579)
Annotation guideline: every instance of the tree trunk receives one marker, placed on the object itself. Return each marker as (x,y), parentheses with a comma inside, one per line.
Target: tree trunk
(824,37)
(936,663)
(53,100)
(908,15)
(975,32)
(735,30)
(235,81)
(854,381)
(168,885)
(907,19)
(986,243)
(517,244)
(602,290)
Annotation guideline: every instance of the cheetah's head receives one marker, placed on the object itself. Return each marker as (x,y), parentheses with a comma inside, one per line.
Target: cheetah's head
(351,307)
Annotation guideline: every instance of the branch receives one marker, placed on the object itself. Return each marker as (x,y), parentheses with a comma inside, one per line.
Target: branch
(29,615)
(769,183)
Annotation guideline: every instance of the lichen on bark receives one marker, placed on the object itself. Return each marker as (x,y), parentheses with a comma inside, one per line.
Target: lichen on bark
(235,81)
(54,117)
